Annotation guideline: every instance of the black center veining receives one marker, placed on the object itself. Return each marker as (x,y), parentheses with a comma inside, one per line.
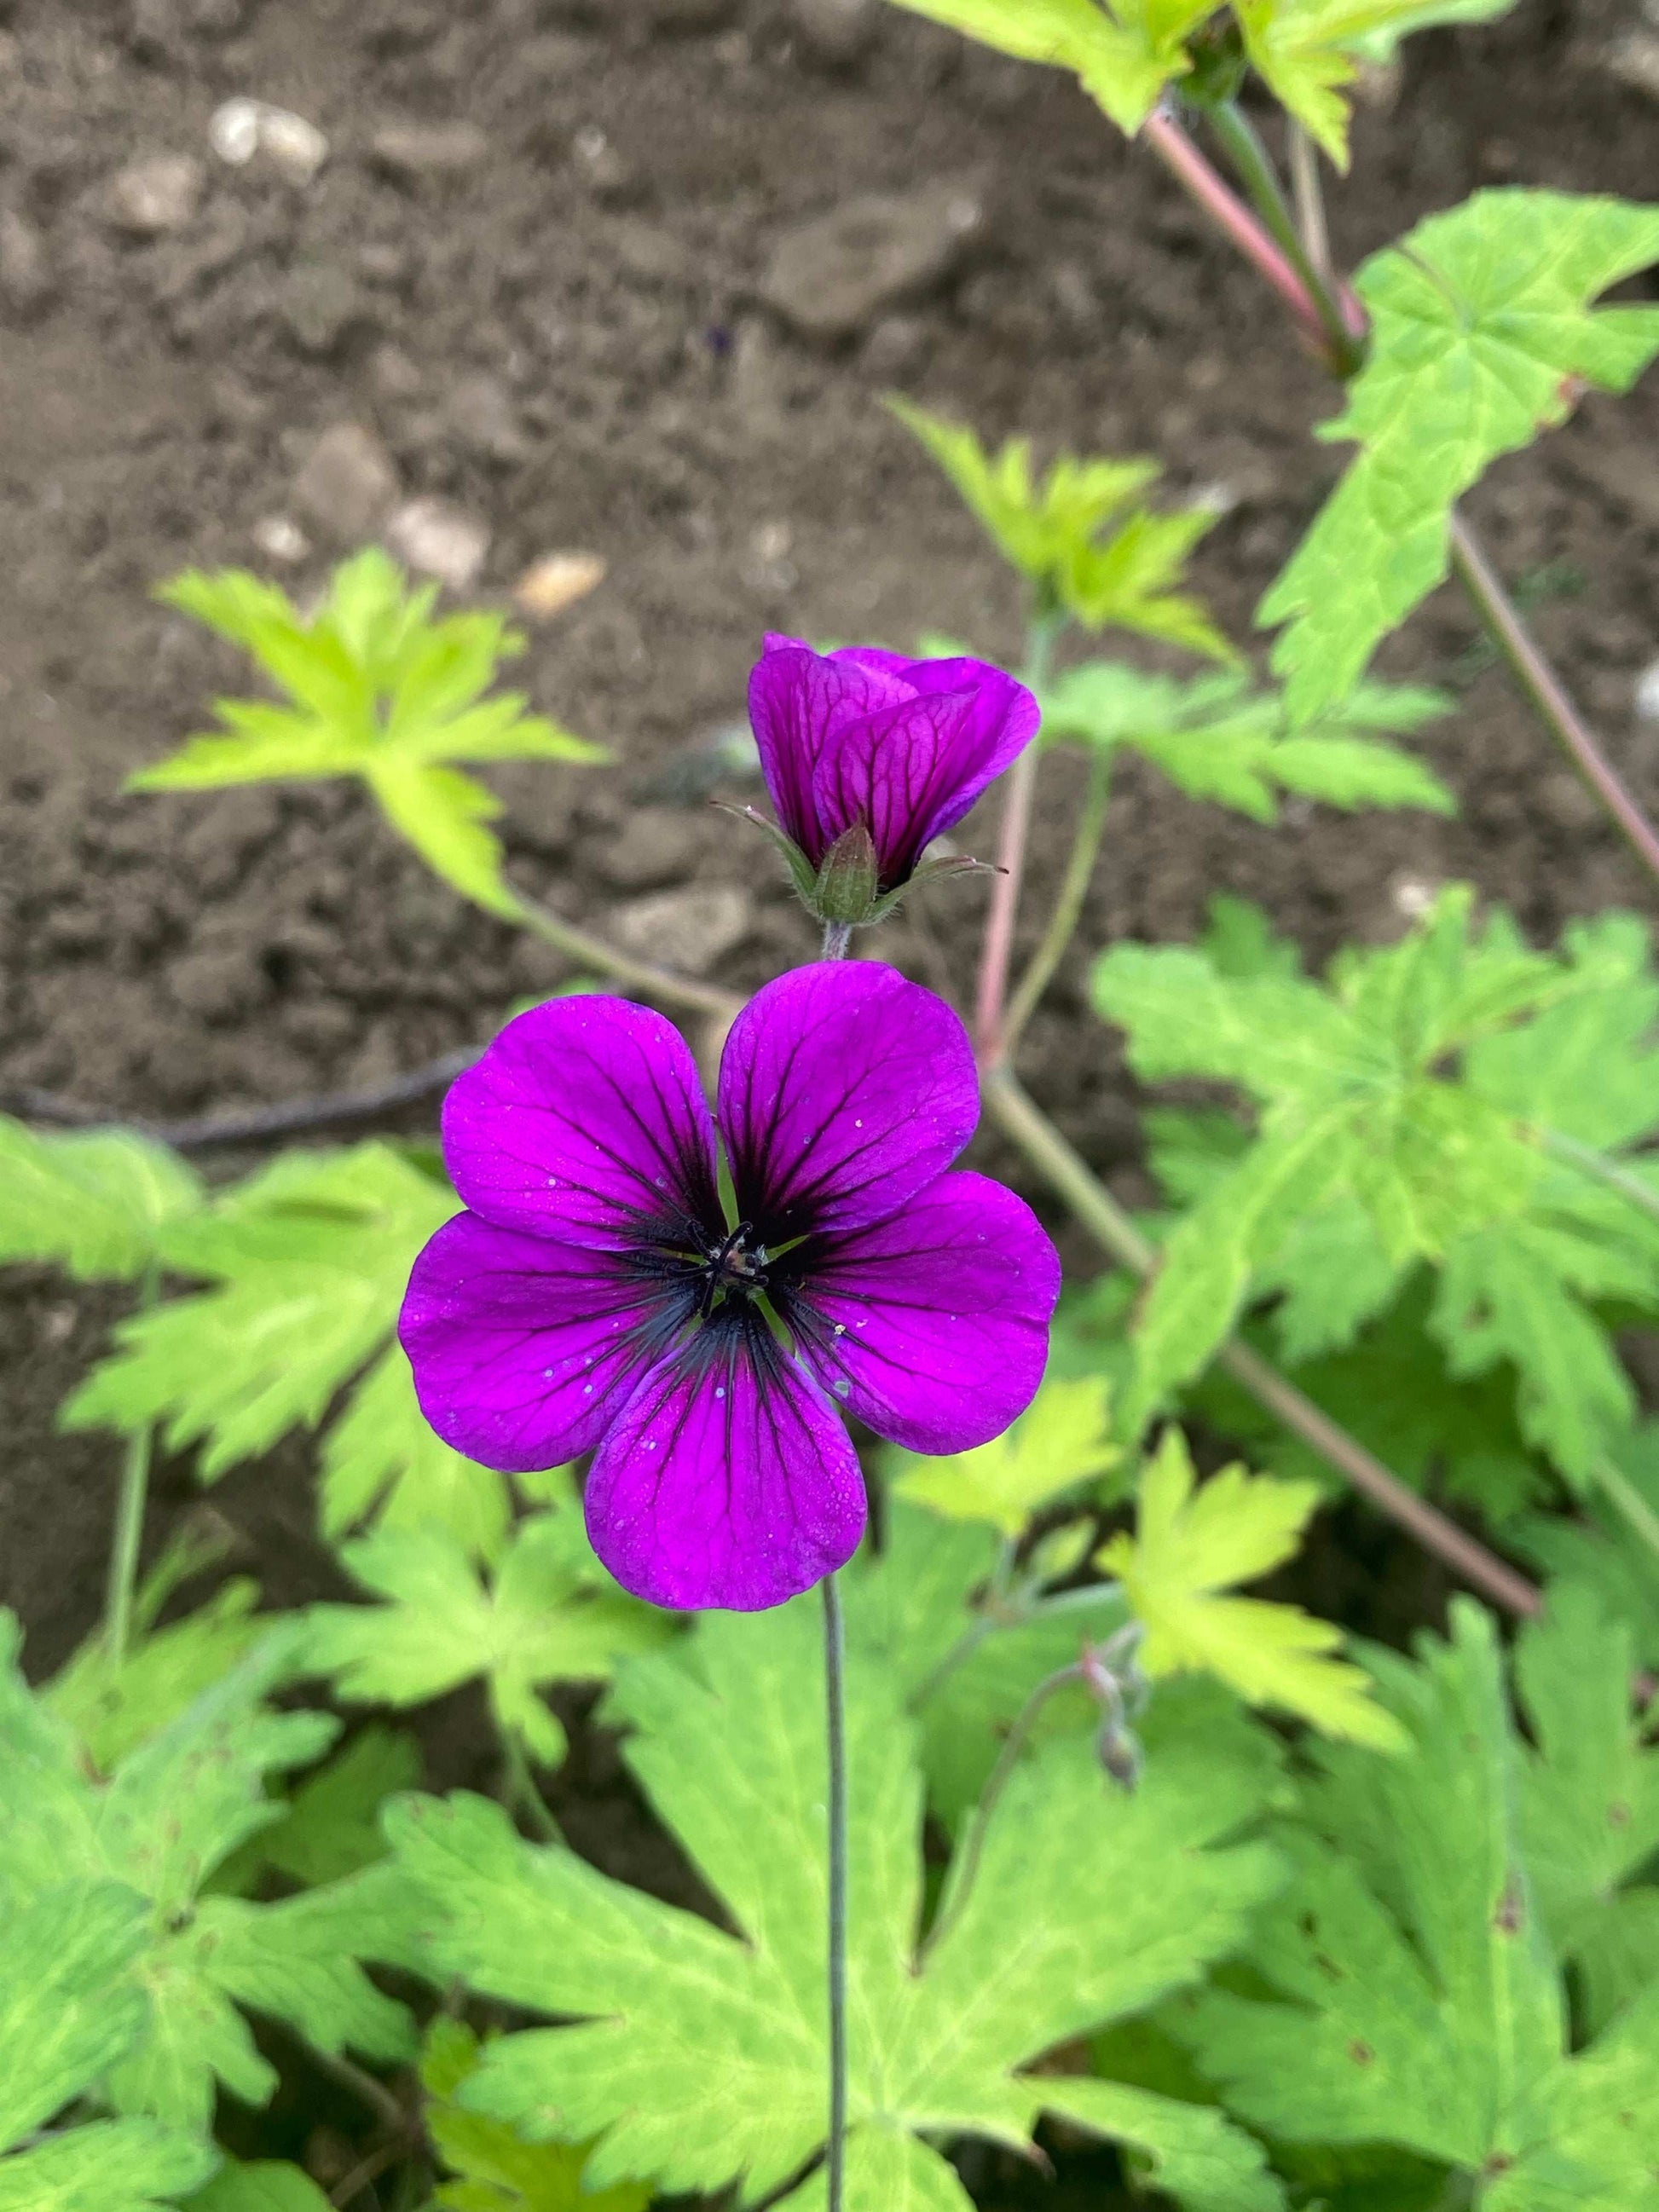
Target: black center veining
(734,1268)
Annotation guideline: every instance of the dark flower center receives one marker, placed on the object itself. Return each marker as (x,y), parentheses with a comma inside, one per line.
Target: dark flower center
(735,1267)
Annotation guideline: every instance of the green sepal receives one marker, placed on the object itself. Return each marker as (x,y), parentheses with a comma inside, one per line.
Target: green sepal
(930,872)
(845,888)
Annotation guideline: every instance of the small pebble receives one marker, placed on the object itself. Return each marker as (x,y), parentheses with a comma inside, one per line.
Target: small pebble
(436,538)
(557,581)
(280,538)
(347,483)
(412,152)
(159,194)
(241,129)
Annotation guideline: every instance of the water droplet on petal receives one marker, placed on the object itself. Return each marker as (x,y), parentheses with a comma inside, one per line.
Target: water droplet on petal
(587,1390)
(720,1389)
(841,1386)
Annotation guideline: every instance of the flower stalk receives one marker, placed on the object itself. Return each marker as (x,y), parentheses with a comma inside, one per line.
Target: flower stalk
(835,1668)
(1020,793)
(1068,905)
(1343,348)
(131,1505)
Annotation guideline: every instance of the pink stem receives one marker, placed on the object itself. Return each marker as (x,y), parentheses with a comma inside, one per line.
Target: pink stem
(1184,161)
(1005,905)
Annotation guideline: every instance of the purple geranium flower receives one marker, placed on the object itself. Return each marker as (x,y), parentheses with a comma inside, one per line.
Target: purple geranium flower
(598,1293)
(861,740)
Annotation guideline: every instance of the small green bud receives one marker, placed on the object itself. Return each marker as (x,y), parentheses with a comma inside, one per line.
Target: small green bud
(847,884)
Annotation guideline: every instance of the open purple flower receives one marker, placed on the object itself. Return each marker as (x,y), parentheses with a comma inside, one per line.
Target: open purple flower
(864,743)
(596,1292)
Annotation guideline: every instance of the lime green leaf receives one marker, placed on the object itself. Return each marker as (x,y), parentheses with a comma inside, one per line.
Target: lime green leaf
(1123,55)
(95,1203)
(172,1812)
(105,2166)
(329,1826)
(729,1745)
(1414,1998)
(1188,2151)
(68,2005)
(549,1613)
(1050,532)
(378,687)
(114,1706)
(268,2184)
(1216,738)
(1060,1441)
(1481,330)
(493,2168)
(382,1459)
(309,1261)
(1590,1797)
(1189,1546)
(1307,51)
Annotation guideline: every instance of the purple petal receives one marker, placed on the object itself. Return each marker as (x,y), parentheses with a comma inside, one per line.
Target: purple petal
(584,1120)
(797,700)
(895,771)
(524,1350)
(843,1091)
(728,1480)
(933,1327)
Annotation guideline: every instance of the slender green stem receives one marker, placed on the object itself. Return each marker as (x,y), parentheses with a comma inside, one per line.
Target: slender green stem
(1086,1599)
(1601,1168)
(590,952)
(1637,1513)
(1213,193)
(834,1663)
(362,2085)
(964,1866)
(521,1790)
(1068,906)
(1310,224)
(1069,1176)
(1255,173)
(128,1538)
(1545,692)
(960,1652)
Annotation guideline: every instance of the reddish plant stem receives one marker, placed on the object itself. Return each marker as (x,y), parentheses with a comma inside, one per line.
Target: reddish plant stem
(1018,796)
(1545,692)
(1229,214)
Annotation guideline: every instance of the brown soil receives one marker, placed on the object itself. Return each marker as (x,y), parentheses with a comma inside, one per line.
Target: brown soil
(565,336)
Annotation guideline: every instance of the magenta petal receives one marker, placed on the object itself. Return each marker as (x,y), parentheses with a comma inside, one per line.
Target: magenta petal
(524,1351)
(798,699)
(584,1120)
(727,1481)
(934,1326)
(894,771)
(843,1091)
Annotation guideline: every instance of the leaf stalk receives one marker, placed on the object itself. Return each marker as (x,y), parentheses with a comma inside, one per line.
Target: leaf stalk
(835,1666)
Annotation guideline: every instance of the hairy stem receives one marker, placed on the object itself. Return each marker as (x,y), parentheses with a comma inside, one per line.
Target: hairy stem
(837,936)
(1545,691)
(521,1790)
(1087,1598)
(1637,1514)
(964,1866)
(834,1663)
(1069,1176)
(590,952)
(1229,213)
(1342,347)
(1600,1169)
(1068,906)
(128,1537)
(1018,792)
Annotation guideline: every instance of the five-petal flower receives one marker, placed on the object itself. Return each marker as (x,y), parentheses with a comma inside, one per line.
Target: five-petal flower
(599,1292)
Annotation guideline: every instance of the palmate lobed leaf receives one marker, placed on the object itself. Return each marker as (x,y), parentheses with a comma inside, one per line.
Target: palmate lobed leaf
(1051,531)
(1216,738)
(309,1260)
(492,2167)
(96,1203)
(1408,1995)
(1190,1545)
(172,1812)
(1481,326)
(1061,1440)
(548,1613)
(1113,1900)
(1399,1120)
(378,687)
(1122,55)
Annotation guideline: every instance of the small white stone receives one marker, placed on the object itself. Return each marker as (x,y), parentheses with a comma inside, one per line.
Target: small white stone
(557,581)
(1413,896)
(280,538)
(1647,692)
(437,539)
(159,194)
(242,128)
